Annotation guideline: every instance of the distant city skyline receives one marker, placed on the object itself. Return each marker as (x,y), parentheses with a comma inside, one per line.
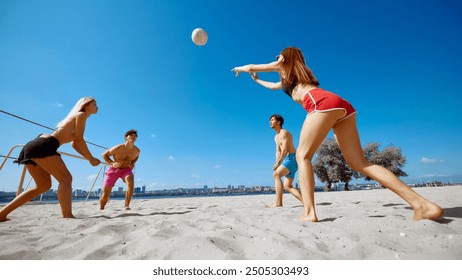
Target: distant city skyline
(143,192)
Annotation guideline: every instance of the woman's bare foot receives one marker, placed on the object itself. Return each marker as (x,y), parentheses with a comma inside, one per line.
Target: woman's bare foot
(4,219)
(428,211)
(69,217)
(273,206)
(308,218)
(127,208)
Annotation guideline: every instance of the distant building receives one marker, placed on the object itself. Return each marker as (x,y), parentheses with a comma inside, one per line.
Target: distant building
(120,191)
(78,192)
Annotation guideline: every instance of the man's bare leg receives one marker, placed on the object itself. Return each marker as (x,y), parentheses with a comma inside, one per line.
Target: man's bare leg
(280,172)
(105,197)
(288,187)
(129,193)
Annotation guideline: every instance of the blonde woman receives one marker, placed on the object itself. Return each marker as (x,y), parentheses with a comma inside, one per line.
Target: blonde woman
(43,161)
(328,111)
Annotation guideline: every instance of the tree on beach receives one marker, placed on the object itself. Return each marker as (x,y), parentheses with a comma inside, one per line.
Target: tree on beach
(320,169)
(330,166)
(391,158)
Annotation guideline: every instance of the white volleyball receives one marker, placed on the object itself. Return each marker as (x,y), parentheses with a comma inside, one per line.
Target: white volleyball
(199,36)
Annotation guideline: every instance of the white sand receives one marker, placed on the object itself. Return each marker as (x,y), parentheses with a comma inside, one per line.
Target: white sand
(355,225)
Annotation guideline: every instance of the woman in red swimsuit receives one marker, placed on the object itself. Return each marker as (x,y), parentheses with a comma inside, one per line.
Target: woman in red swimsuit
(328,111)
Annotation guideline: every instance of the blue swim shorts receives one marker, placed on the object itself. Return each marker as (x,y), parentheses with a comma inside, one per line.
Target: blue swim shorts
(291,164)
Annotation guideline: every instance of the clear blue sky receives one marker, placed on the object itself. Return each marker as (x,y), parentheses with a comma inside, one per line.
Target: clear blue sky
(397,62)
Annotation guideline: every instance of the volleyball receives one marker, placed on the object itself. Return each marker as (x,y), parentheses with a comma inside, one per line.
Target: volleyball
(199,36)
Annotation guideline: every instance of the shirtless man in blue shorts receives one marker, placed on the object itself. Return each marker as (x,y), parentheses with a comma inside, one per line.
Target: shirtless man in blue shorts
(286,164)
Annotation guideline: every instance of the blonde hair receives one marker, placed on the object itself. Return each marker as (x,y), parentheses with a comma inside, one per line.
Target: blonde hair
(78,107)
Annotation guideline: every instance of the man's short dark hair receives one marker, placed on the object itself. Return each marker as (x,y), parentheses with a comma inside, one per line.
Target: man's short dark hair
(130,132)
(279,118)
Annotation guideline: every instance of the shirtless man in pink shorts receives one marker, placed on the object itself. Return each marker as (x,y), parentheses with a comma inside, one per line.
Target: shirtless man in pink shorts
(124,157)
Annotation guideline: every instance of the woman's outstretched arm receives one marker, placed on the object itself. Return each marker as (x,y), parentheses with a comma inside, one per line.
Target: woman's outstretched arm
(269,67)
(266,84)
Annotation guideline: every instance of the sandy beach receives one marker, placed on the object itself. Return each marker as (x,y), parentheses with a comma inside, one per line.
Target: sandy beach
(356,225)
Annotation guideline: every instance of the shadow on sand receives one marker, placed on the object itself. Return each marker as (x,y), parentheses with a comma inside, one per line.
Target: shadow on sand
(141,215)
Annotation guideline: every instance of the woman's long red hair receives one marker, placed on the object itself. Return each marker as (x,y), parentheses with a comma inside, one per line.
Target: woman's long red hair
(294,69)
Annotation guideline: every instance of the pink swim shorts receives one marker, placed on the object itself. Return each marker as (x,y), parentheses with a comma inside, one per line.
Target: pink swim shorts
(113,174)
